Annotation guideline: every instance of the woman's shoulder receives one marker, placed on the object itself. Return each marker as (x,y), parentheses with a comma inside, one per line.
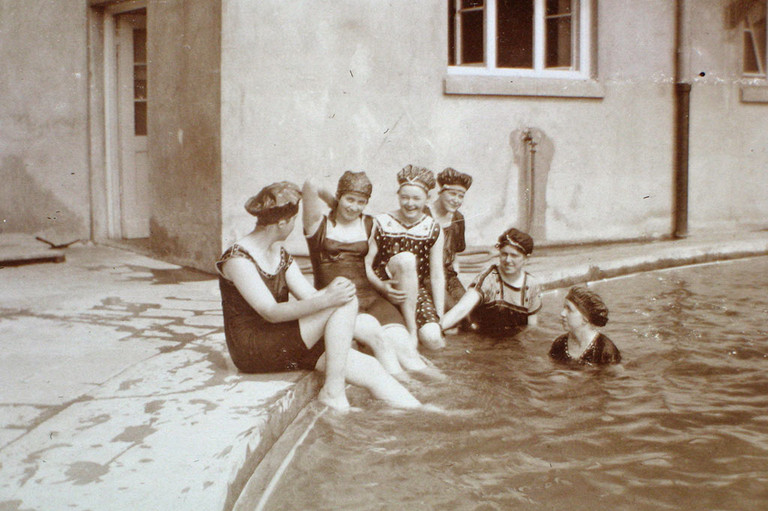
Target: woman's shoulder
(236,251)
(609,352)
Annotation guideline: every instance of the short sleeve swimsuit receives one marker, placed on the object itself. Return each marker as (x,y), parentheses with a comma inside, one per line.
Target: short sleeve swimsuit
(600,351)
(504,308)
(453,243)
(393,237)
(255,344)
(331,258)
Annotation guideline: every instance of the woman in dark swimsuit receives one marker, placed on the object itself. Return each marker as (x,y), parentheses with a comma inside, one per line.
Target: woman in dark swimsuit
(338,244)
(504,297)
(265,332)
(453,185)
(583,313)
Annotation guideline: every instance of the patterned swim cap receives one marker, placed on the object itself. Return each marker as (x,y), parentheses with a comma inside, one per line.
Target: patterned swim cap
(590,304)
(417,176)
(357,182)
(275,202)
(450,178)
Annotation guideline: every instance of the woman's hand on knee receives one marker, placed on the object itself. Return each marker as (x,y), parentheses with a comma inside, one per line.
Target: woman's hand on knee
(394,295)
(339,292)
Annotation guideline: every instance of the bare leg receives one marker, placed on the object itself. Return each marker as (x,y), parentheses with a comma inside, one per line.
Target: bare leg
(431,336)
(402,269)
(406,352)
(337,331)
(369,332)
(365,371)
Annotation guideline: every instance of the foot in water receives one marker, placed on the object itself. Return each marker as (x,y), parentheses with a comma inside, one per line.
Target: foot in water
(338,403)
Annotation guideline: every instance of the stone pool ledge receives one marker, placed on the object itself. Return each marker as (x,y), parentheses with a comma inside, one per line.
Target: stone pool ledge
(116,390)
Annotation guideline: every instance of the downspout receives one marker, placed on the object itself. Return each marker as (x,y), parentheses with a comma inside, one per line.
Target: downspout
(682,131)
(530,143)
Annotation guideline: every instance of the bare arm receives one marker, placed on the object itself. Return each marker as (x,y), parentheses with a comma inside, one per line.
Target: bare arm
(252,288)
(313,206)
(385,288)
(437,274)
(461,310)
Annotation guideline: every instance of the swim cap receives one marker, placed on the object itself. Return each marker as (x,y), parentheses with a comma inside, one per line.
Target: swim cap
(452,178)
(589,304)
(417,176)
(275,202)
(357,182)
(516,239)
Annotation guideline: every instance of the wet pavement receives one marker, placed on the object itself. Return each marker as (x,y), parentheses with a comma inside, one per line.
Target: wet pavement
(117,391)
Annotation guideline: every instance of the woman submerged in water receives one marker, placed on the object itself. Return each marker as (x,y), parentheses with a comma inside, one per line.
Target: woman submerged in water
(503,298)
(265,332)
(583,313)
(338,243)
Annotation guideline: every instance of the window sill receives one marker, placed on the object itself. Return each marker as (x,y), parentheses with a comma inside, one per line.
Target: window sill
(754,93)
(523,86)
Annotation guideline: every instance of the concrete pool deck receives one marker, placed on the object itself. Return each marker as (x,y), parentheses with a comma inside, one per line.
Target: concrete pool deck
(117,392)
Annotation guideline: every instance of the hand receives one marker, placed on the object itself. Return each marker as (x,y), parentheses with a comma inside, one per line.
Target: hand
(394,295)
(339,292)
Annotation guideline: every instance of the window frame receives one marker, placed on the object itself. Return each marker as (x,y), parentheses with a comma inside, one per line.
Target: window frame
(747,31)
(582,46)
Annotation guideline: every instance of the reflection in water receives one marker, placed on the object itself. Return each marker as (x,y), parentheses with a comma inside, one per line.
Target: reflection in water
(682,423)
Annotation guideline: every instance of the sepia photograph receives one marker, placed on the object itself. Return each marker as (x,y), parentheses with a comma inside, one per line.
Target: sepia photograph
(362,255)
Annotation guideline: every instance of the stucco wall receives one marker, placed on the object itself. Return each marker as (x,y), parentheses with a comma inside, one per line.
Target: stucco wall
(729,138)
(184,46)
(317,89)
(358,85)
(43,118)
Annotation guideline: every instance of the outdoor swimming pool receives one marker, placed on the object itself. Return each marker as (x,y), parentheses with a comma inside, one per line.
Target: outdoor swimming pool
(681,424)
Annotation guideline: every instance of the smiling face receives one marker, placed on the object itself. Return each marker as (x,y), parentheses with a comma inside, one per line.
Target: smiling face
(451,199)
(511,262)
(350,206)
(412,201)
(571,317)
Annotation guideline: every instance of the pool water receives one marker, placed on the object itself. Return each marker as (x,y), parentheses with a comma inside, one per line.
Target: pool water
(682,423)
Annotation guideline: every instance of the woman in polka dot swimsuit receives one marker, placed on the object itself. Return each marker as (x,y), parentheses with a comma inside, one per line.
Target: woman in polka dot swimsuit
(405,259)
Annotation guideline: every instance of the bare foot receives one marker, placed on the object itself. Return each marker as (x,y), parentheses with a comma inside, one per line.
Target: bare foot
(338,403)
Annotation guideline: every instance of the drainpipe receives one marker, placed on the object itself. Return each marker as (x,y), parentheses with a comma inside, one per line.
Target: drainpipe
(682,116)
(530,142)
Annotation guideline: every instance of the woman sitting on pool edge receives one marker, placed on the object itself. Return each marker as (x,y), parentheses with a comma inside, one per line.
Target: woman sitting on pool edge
(265,332)
(504,297)
(583,313)
(406,254)
(338,244)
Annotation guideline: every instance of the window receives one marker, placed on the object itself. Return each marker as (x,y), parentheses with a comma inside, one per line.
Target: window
(754,57)
(535,38)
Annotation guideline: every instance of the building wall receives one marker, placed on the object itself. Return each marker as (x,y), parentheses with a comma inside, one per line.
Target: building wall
(184,47)
(359,85)
(729,138)
(44,118)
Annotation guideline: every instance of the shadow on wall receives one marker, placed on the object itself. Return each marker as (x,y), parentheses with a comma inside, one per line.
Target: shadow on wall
(533,151)
(26,206)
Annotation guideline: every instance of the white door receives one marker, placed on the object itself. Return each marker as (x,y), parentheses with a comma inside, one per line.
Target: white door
(133,182)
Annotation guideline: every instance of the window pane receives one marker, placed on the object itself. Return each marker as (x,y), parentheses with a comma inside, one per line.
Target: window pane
(140,82)
(759,35)
(466,4)
(558,41)
(558,7)
(451,33)
(140,118)
(514,31)
(472,45)
(139,45)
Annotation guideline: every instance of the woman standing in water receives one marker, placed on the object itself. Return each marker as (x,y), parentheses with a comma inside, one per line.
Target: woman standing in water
(338,244)
(504,297)
(453,185)
(265,332)
(405,258)
(583,313)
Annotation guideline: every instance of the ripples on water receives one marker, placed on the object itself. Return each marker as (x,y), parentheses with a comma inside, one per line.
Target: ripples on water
(681,424)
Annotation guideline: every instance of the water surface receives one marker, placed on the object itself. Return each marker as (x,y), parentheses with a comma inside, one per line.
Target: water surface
(682,423)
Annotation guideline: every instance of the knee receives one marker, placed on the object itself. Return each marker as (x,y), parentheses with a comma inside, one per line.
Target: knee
(350,307)
(403,262)
(431,336)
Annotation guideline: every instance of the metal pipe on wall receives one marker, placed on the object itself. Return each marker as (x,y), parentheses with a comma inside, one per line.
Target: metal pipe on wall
(682,130)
